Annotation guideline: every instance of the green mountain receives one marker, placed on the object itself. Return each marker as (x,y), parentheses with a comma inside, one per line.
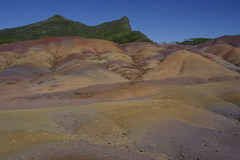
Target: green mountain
(118,31)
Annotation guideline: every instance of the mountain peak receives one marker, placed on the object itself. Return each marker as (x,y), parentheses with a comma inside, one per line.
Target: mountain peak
(57,17)
(124,19)
(125,22)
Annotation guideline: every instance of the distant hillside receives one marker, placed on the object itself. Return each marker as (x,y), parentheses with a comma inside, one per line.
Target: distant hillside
(118,31)
(194,41)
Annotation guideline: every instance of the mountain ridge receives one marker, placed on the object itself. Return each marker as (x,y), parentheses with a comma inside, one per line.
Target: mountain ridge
(118,31)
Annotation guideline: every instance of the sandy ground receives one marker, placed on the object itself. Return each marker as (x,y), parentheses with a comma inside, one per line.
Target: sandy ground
(70,98)
(132,120)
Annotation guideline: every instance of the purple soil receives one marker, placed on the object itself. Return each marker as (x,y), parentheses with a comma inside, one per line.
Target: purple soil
(197,51)
(158,57)
(68,150)
(175,46)
(134,45)
(73,69)
(221,78)
(69,41)
(80,96)
(19,47)
(81,71)
(120,62)
(231,40)
(85,95)
(18,73)
(167,52)
(74,56)
(185,141)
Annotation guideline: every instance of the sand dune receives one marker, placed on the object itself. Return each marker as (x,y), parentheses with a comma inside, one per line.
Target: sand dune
(187,64)
(227,52)
(230,40)
(219,60)
(70,98)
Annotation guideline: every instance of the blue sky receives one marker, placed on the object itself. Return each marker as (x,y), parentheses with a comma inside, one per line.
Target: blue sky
(160,20)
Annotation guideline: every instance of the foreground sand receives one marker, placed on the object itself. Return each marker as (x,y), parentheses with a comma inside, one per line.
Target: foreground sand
(141,120)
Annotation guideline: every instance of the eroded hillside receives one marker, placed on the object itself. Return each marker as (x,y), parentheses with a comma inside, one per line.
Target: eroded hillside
(74,98)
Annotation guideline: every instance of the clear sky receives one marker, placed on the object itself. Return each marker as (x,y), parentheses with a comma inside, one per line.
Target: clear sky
(160,20)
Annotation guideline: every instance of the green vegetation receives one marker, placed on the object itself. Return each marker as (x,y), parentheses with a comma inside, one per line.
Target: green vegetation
(194,41)
(2,41)
(118,31)
(125,37)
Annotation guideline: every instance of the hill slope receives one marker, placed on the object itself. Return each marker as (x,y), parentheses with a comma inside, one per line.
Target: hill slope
(118,31)
(74,98)
(187,64)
